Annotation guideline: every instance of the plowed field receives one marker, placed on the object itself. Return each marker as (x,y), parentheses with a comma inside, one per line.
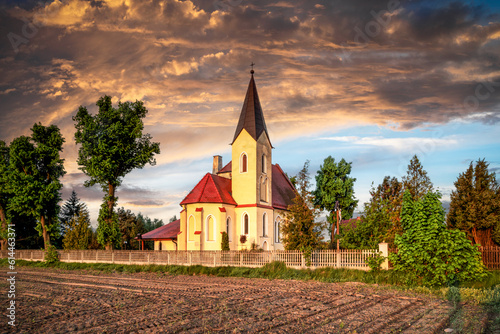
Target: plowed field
(58,301)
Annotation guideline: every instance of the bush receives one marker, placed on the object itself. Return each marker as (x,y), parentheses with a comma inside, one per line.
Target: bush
(51,255)
(375,262)
(429,254)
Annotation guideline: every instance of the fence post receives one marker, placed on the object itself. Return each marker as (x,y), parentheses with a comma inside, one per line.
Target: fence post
(241,259)
(112,257)
(338,258)
(383,247)
(302,260)
(81,257)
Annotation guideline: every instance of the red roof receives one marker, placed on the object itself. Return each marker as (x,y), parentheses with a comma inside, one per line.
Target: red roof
(211,189)
(283,190)
(168,231)
(227,168)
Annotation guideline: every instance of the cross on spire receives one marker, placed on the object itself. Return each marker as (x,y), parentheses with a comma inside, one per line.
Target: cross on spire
(252,71)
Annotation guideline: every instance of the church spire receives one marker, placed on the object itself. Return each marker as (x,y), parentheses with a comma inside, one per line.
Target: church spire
(251,117)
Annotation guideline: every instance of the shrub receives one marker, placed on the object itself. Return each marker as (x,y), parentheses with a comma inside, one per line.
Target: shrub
(224,244)
(51,255)
(429,254)
(375,262)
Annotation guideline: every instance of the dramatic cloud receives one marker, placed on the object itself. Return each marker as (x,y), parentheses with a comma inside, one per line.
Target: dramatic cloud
(321,66)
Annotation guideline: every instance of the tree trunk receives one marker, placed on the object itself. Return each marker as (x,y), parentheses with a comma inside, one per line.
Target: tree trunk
(482,237)
(111,205)
(3,220)
(45,233)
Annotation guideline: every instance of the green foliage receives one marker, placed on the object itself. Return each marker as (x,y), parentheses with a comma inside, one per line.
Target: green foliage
(51,255)
(224,244)
(130,226)
(333,183)
(429,254)
(71,208)
(112,145)
(5,193)
(475,205)
(78,233)
(375,262)
(35,168)
(300,231)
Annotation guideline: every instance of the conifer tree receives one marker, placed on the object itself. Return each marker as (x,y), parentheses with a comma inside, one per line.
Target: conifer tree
(300,231)
(71,208)
(416,180)
(78,233)
(475,205)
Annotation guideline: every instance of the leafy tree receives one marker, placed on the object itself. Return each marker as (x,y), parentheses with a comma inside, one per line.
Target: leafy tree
(112,145)
(333,183)
(475,205)
(430,254)
(130,226)
(300,231)
(72,207)
(4,193)
(78,234)
(35,170)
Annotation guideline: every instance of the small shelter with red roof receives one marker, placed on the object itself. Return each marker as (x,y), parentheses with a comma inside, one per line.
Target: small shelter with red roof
(249,196)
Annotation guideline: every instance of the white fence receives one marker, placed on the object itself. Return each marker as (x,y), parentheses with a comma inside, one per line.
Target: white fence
(352,259)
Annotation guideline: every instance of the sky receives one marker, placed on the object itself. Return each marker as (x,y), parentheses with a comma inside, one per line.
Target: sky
(370,81)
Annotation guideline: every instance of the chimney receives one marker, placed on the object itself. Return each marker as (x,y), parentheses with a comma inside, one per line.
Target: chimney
(217,166)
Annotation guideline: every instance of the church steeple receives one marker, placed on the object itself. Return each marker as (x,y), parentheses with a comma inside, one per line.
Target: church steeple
(251,117)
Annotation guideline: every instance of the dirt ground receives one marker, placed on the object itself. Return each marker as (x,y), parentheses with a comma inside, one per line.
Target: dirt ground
(58,301)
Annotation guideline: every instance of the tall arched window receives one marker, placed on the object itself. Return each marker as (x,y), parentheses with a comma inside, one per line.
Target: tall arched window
(264,225)
(243,163)
(191,228)
(229,229)
(277,230)
(245,223)
(210,229)
(264,169)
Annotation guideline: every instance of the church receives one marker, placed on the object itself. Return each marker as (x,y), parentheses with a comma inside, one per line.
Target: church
(248,196)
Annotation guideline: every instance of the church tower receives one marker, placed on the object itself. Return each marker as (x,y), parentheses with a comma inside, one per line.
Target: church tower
(252,168)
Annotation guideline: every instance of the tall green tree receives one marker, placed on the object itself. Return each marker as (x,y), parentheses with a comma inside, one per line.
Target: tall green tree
(35,169)
(78,233)
(4,193)
(130,226)
(71,208)
(112,145)
(430,254)
(475,205)
(300,231)
(333,183)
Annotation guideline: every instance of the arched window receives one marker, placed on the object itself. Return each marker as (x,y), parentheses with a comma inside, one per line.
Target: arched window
(264,169)
(229,229)
(210,228)
(191,228)
(277,230)
(263,189)
(245,223)
(264,225)
(243,163)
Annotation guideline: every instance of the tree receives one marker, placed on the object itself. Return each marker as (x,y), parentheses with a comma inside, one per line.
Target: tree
(430,254)
(112,145)
(71,208)
(78,233)
(416,180)
(224,244)
(4,193)
(300,231)
(129,226)
(333,184)
(35,170)
(475,205)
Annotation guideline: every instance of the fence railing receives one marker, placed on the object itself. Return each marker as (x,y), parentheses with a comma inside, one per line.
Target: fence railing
(353,259)
(491,257)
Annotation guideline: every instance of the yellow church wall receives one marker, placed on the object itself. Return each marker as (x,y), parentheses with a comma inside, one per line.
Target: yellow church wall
(264,149)
(244,183)
(201,241)
(166,245)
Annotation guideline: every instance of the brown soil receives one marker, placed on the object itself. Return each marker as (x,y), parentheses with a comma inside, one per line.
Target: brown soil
(58,301)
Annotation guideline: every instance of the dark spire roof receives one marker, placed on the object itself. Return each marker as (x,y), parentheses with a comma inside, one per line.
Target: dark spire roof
(251,117)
